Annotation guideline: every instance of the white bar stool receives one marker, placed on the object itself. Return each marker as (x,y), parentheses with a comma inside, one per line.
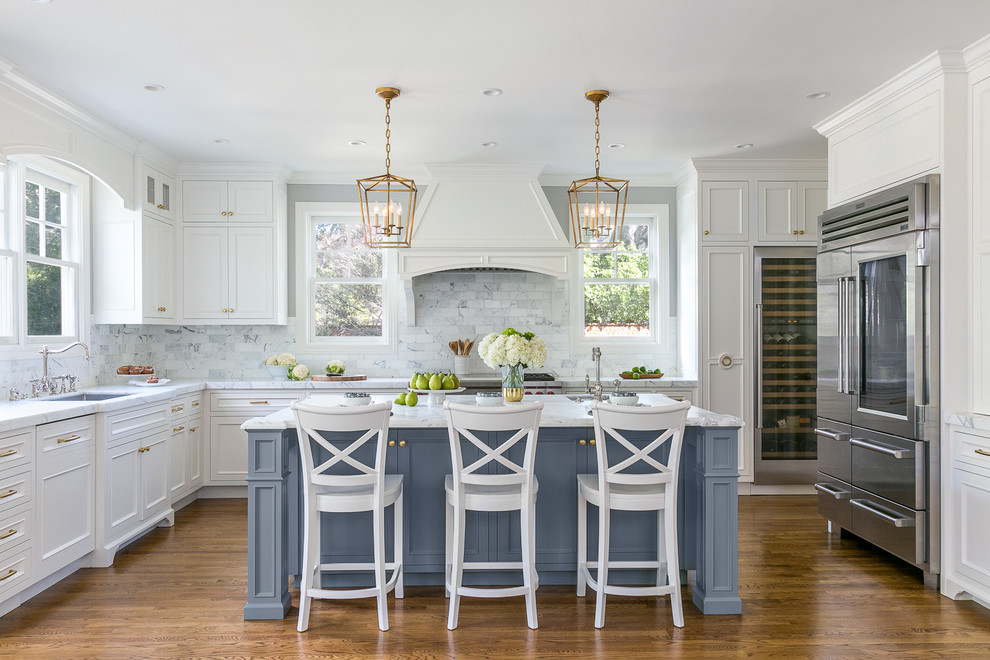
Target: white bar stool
(344,483)
(479,487)
(651,485)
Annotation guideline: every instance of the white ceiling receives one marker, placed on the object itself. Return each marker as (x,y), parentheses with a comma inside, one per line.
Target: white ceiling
(293,81)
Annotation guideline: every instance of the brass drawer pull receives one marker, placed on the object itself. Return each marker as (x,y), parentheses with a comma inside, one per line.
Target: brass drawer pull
(195,404)
(10,573)
(178,428)
(9,452)
(8,534)
(259,403)
(192,429)
(177,409)
(10,491)
(141,450)
(983,452)
(68,438)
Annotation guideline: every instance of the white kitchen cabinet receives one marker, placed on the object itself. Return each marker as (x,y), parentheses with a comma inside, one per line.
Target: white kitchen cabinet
(66,482)
(228,443)
(787,211)
(229,274)
(158,193)
(724,211)
(158,269)
(17,512)
(185,447)
(726,345)
(133,476)
(966,570)
(228,201)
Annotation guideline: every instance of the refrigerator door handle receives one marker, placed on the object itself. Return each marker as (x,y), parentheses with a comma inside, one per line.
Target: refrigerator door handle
(841,373)
(920,337)
(759,365)
(852,335)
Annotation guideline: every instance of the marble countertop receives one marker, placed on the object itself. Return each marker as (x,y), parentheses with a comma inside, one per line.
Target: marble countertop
(968,420)
(557,411)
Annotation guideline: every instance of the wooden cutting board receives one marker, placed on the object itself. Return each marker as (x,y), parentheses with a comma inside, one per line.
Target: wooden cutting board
(338,378)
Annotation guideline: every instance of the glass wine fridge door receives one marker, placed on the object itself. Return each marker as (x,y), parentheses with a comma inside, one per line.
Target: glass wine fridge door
(889,306)
(786,323)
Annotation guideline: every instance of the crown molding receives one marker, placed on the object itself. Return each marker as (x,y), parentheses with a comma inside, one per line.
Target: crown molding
(226,170)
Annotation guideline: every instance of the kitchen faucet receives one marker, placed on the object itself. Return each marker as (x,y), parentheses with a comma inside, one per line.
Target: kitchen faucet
(47,385)
(596,355)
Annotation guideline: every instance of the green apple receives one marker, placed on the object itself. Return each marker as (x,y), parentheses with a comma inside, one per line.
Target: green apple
(412,399)
(401,399)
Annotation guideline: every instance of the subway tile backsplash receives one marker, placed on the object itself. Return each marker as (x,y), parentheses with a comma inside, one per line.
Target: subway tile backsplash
(448,306)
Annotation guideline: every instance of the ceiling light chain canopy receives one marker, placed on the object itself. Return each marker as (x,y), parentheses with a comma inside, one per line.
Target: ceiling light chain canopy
(382,197)
(597,204)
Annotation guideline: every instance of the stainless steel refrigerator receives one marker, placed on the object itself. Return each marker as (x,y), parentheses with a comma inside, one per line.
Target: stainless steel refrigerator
(786,366)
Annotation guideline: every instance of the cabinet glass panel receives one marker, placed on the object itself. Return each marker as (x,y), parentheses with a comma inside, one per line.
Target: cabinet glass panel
(788,372)
(166,203)
(150,193)
(883,335)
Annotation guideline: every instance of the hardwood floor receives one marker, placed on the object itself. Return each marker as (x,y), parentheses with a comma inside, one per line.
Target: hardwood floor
(179,593)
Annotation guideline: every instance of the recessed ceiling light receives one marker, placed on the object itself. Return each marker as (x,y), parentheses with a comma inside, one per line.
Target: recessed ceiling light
(357,143)
(616,145)
(490,143)
(491,91)
(154,88)
(818,95)
(221,140)
(745,145)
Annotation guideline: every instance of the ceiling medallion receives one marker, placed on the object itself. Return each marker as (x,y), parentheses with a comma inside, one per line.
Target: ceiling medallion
(382,197)
(597,204)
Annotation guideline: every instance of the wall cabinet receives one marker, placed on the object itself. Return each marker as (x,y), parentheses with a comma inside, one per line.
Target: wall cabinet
(158,193)
(65,496)
(228,409)
(158,269)
(787,211)
(724,211)
(228,273)
(228,201)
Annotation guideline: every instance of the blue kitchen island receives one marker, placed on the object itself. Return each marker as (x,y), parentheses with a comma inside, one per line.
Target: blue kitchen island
(418,449)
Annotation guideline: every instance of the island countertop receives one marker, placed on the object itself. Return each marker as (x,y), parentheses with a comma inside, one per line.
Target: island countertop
(558,410)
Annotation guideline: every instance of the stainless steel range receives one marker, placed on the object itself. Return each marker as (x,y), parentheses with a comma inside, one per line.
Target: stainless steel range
(878,365)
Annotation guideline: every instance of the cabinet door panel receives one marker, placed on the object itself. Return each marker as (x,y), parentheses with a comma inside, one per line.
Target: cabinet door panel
(204,272)
(178,453)
(228,449)
(973,493)
(154,474)
(158,273)
(65,508)
(725,211)
(777,211)
(123,498)
(812,202)
(194,454)
(204,201)
(727,278)
(250,201)
(251,284)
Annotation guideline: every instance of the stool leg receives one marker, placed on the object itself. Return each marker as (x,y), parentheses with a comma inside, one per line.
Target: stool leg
(379,535)
(397,546)
(448,538)
(661,548)
(582,543)
(603,525)
(457,563)
(528,560)
(673,567)
(306,572)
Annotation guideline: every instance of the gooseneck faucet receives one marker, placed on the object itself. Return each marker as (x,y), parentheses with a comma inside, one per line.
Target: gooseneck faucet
(596,355)
(47,384)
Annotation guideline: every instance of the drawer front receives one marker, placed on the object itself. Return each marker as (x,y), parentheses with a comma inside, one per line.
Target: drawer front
(143,420)
(833,500)
(179,407)
(15,570)
(56,438)
(195,406)
(971,449)
(15,490)
(16,449)
(255,403)
(834,451)
(15,528)
(891,467)
(897,529)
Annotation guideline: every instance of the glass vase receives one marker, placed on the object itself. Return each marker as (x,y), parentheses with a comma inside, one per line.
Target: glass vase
(512,382)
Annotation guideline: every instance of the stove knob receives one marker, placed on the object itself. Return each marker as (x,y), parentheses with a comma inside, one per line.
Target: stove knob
(528,392)
(550,392)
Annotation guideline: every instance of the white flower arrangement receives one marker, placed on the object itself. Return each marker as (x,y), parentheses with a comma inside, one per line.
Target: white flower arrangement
(513,347)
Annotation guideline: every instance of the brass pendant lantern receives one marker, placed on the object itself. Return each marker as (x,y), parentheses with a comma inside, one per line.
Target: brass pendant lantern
(597,204)
(388,202)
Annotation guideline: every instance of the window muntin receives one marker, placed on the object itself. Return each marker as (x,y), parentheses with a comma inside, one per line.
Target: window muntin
(618,286)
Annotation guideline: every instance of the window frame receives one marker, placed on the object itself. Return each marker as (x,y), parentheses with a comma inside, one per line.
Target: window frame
(75,255)
(307,215)
(661,342)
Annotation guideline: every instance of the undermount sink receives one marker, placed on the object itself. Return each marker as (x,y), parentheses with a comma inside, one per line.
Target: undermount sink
(580,398)
(89,396)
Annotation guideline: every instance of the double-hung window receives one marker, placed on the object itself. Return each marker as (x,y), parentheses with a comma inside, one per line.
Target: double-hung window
(622,299)
(343,301)
(42,247)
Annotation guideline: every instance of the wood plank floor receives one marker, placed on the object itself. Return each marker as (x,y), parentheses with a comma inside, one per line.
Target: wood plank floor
(179,593)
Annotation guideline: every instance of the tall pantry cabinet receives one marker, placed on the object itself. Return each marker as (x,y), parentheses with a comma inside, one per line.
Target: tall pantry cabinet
(734,207)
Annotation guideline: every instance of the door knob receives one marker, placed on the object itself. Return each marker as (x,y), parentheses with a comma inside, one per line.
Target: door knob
(725,360)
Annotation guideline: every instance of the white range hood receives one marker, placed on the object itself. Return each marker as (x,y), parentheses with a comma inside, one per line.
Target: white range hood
(485,218)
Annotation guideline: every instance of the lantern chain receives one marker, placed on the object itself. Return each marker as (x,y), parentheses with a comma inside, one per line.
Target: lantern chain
(597,136)
(388,135)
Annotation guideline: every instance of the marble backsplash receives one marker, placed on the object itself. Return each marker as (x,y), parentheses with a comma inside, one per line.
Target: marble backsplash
(448,306)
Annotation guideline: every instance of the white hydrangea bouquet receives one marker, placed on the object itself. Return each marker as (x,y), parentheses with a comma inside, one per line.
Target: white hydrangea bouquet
(512,351)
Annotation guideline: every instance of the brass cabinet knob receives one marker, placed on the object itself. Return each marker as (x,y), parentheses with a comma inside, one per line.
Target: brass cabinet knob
(591,442)
(706,232)
(230,311)
(402,443)
(391,443)
(224,310)
(223,213)
(801,232)
(582,442)
(161,206)
(230,213)
(794,232)
(192,429)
